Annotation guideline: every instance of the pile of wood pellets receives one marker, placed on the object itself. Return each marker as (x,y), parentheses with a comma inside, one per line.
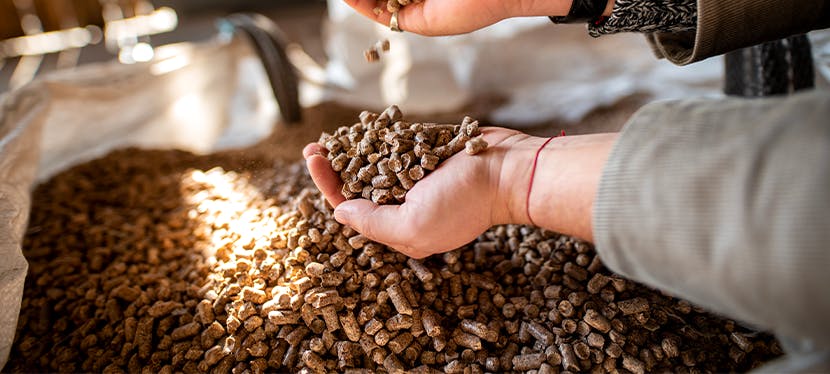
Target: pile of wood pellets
(381,157)
(164,261)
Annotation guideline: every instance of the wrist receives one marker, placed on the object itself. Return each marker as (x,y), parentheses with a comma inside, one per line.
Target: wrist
(533,8)
(565,183)
(513,179)
(608,8)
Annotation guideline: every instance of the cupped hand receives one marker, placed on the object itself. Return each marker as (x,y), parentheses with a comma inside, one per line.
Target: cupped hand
(451,17)
(447,209)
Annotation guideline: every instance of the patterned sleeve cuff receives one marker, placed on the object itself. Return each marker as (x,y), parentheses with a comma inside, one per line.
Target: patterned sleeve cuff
(648,16)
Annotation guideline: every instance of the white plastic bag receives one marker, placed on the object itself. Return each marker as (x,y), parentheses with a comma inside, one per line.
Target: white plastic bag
(196,97)
(20,123)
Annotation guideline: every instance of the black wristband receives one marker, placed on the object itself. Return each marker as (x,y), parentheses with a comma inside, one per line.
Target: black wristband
(582,11)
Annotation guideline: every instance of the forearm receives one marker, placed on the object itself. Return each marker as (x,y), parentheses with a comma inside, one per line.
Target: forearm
(564,185)
(725,203)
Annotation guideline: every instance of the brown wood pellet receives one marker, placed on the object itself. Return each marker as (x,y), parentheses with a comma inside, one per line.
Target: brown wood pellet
(373,54)
(381,157)
(392,6)
(163,261)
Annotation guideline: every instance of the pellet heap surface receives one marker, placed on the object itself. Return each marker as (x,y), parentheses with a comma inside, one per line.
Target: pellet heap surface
(163,261)
(381,157)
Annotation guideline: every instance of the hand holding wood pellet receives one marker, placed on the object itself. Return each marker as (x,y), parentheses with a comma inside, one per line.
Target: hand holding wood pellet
(450,17)
(462,186)
(445,210)
(466,195)
(381,157)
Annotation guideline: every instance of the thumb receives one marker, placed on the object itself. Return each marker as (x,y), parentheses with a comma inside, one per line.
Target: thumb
(380,223)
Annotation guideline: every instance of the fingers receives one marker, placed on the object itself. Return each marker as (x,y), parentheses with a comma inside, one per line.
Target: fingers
(367,8)
(326,179)
(387,224)
(407,17)
(377,222)
(368,218)
(314,148)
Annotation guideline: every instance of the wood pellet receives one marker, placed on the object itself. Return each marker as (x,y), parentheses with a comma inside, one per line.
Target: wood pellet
(392,6)
(381,157)
(164,261)
(373,54)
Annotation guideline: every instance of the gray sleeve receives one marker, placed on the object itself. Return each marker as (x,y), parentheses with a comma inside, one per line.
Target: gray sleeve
(726,203)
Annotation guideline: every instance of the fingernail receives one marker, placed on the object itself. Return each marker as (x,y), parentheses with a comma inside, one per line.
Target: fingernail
(342,214)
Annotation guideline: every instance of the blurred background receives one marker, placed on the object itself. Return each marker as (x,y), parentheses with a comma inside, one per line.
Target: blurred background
(39,36)
(523,73)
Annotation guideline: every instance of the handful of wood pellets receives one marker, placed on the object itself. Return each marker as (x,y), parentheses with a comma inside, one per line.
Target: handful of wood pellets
(381,157)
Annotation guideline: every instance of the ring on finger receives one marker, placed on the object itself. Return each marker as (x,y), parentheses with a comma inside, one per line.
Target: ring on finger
(393,23)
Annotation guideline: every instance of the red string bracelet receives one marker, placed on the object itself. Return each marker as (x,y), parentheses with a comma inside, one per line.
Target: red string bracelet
(533,174)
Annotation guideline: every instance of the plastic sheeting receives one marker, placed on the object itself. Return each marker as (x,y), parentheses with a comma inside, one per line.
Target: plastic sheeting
(21,121)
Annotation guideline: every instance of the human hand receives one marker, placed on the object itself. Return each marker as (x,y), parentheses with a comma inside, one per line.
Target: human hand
(451,17)
(466,195)
(447,209)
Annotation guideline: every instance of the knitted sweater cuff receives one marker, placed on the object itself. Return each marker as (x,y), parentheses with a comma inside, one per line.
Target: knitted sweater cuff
(648,16)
